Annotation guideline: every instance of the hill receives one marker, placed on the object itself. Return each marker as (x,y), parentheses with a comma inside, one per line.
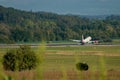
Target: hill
(27,26)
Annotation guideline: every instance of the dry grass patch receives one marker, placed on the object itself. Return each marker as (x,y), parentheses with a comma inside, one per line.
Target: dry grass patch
(86,75)
(23,75)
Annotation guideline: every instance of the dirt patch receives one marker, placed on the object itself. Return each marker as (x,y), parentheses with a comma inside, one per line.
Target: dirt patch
(59,75)
(85,75)
(99,53)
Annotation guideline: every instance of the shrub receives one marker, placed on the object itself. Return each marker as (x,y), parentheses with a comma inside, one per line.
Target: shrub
(20,59)
(82,66)
(9,60)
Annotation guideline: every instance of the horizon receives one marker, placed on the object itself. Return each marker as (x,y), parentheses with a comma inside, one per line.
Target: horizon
(73,7)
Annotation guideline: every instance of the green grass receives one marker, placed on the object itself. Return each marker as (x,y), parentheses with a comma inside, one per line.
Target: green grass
(62,60)
(104,49)
(89,54)
(52,61)
(116,41)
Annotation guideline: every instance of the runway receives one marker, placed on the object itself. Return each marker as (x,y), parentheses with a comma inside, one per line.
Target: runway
(53,45)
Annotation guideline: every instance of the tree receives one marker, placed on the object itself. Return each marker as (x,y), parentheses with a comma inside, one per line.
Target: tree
(21,59)
(26,26)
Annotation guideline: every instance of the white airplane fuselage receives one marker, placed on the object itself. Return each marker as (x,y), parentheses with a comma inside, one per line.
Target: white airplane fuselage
(86,40)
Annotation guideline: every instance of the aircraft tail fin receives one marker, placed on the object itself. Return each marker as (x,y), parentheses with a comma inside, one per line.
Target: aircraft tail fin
(82,37)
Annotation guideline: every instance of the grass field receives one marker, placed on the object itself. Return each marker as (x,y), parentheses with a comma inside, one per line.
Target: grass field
(60,64)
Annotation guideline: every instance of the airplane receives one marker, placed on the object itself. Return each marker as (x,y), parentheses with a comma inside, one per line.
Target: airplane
(86,40)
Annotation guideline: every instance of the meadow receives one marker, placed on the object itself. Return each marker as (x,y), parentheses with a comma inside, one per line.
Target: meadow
(59,63)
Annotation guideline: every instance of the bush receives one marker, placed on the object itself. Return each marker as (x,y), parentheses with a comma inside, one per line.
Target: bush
(21,59)
(82,66)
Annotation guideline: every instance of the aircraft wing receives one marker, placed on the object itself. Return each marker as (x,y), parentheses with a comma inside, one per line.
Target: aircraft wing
(75,40)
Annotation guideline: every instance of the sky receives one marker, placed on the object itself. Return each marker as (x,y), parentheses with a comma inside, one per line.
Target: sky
(78,7)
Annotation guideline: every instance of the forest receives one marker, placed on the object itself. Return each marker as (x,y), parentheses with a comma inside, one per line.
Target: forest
(28,26)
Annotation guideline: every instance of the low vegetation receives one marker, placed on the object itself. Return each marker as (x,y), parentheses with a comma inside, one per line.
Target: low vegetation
(60,64)
(82,66)
(21,59)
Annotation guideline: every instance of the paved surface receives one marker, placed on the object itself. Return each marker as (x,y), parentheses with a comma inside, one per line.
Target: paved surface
(52,45)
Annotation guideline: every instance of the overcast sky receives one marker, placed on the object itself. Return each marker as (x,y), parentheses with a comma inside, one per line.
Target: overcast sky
(79,7)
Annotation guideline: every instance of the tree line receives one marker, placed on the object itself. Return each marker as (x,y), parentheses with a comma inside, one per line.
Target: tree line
(27,26)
